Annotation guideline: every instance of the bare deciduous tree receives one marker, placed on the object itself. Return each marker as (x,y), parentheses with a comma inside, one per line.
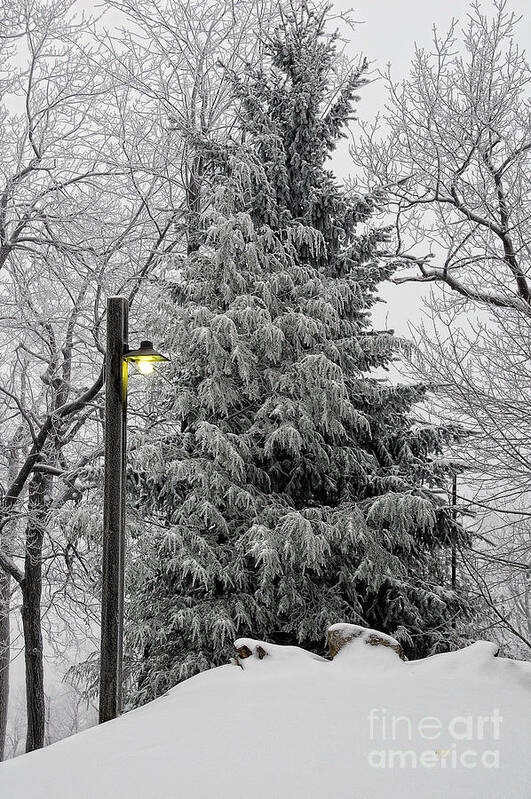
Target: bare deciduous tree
(99,189)
(450,161)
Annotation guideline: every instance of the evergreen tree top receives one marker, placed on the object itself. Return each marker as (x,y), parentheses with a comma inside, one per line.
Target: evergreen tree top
(292,115)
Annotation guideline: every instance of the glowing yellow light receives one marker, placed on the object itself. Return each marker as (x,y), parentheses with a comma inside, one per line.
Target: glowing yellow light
(144,367)
(144,357)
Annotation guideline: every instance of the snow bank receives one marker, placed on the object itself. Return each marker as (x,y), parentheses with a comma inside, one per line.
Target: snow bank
(281,722)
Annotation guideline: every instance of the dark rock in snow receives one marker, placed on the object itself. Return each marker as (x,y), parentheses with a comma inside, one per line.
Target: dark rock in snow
(340,635)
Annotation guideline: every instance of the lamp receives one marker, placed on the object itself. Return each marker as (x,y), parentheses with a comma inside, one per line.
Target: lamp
(144,357)
(117,357)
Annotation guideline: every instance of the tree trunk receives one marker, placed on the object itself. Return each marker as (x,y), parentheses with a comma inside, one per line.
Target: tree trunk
(194,204)
(5,588)
(31,615)
(5,599)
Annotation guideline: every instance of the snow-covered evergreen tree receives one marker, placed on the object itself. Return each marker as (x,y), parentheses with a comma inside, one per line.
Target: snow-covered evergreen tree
(296,489)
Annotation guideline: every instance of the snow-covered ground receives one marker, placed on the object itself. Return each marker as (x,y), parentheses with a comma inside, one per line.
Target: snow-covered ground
(365,725)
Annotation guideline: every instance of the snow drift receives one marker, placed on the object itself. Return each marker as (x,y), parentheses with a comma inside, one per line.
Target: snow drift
(282,722)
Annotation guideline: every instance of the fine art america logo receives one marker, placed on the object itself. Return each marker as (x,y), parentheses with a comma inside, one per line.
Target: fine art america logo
(429,742)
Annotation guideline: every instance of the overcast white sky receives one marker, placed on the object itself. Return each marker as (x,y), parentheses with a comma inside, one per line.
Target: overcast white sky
(387,33)
(390,29)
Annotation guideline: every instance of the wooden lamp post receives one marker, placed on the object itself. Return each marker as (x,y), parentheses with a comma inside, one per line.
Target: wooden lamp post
(118,356)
